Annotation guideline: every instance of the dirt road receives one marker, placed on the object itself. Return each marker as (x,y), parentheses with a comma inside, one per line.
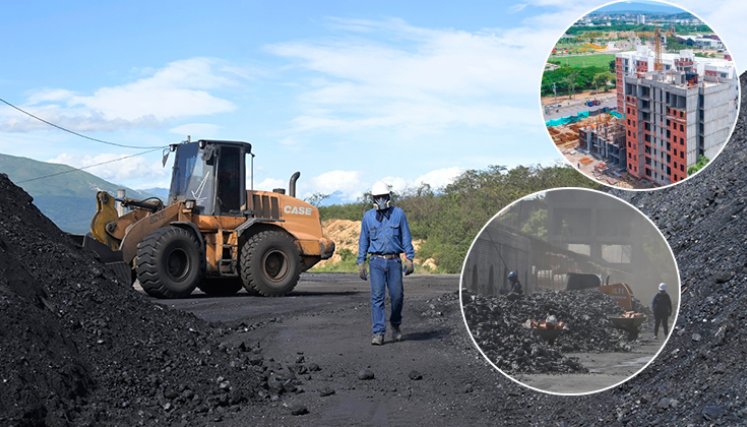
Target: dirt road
(554,108)
(327,322)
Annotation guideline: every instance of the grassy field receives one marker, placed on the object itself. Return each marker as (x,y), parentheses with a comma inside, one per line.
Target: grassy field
(598,60)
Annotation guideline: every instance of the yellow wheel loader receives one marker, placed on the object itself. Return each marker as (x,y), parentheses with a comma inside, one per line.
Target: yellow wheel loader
(213,232)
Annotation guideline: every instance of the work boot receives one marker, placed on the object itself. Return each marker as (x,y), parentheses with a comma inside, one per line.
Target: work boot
(396,333)
(378,339)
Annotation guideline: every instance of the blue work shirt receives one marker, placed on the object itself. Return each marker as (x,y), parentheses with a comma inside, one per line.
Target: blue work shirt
(391,235)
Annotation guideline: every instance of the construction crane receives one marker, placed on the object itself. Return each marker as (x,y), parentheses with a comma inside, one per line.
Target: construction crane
(658,65)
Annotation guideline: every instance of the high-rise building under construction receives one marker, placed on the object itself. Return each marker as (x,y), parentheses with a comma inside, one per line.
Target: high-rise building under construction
(677,107)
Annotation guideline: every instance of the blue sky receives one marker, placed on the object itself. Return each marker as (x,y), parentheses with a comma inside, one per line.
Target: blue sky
(346,92)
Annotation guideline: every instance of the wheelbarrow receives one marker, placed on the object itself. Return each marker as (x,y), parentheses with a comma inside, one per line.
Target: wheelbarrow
(631,325)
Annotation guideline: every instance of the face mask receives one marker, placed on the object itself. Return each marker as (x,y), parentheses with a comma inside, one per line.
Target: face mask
(381,202)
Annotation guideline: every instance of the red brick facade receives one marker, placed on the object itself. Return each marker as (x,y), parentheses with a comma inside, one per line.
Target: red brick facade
(641,67)
(677,139)
(619,86)
(631,138)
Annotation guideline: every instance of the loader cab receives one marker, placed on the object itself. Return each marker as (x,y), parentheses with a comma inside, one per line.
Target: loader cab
(213,174)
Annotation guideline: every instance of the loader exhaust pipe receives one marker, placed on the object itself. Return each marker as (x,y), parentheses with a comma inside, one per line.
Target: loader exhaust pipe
(292,184)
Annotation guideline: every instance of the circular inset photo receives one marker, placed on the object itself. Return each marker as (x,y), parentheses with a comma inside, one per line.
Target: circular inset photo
(570,291)
(640,95)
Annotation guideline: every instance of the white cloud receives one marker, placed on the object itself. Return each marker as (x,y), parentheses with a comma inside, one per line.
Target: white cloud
(179,90)
(346,182)
(51,95)
(196,130)
(416,79)
(396,184)
(268,184)
(349,185)
(439,178)
(132,169)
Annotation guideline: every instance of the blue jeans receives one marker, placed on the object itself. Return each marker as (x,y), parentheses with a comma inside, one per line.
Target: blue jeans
(385,273)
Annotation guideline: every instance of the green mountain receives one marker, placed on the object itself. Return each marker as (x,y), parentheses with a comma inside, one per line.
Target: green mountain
(67,197)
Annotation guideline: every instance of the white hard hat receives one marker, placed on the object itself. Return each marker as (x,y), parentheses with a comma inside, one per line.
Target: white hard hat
(662,286)
(379,188)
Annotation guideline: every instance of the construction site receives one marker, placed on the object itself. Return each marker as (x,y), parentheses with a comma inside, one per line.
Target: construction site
(674,112)
(596,146)
(678,109)
(588,265)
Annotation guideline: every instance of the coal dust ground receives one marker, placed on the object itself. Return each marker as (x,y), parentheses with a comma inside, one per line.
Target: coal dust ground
(76,348)
(434,376)
(604,369)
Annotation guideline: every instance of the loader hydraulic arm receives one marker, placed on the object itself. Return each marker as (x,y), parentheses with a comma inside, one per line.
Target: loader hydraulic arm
(152,204)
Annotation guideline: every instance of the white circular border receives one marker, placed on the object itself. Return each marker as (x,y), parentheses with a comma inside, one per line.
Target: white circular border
(506,208)
(733,126)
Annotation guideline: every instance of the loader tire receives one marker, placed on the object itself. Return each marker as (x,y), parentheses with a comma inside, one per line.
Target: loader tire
(270,264)
(220,287)
(168,263)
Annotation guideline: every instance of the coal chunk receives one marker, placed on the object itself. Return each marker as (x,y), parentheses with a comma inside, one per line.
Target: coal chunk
(298,409)
(326,391)
(365,374)
(713,412)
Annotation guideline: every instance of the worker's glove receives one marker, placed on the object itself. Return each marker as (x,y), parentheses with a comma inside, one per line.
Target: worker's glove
(362,273)
(409,267)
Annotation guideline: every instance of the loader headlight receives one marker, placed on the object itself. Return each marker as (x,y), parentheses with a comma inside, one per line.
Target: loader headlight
(189,204)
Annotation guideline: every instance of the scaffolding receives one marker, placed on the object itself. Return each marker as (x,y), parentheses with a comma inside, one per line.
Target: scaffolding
(604,139)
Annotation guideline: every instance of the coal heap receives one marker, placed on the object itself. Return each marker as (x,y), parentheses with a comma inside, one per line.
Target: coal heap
(698,378)
(78,348)
(496,324)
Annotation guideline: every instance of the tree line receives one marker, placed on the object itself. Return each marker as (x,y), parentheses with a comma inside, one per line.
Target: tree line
(568,80)
(448,219)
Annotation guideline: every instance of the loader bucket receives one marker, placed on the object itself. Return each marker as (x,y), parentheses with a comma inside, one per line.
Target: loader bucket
(112,259)
(579,281)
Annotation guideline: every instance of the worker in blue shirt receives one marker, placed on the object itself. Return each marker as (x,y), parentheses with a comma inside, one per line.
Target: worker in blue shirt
(385,235)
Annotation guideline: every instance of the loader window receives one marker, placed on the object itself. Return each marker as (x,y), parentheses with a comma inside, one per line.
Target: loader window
(192,179)
(229,180)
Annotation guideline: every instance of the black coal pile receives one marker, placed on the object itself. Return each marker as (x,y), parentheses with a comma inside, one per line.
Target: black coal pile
(698,374)
(496,323)
(77,348)
(698,378)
